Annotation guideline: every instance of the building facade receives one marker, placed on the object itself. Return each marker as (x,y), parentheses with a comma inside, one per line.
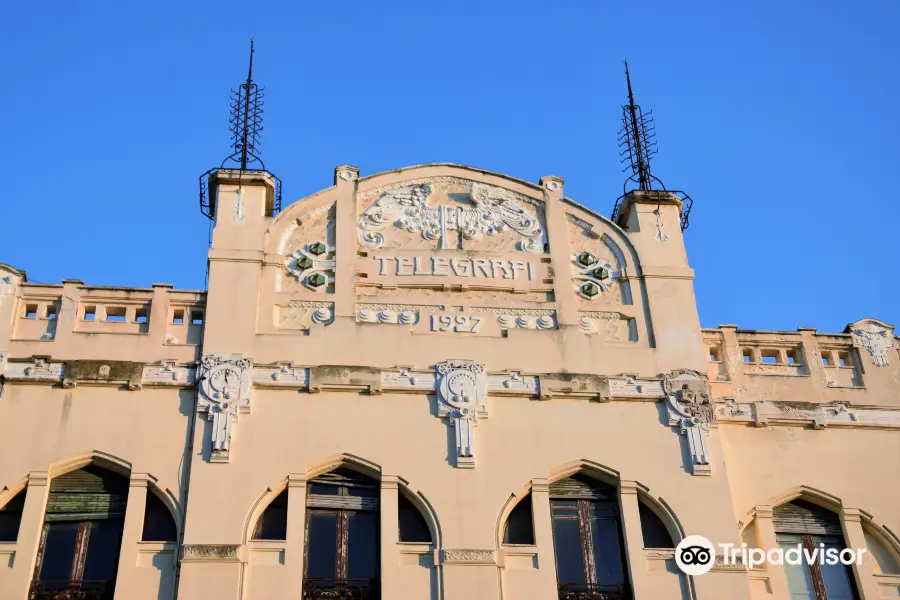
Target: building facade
(434,383)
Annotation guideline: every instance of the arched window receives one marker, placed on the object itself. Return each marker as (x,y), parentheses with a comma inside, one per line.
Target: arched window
(79,546)
(159,526)
(587,538)
(653,530)
(520,525)
(801,523)
(413,527)
(272,524)
(11,517)
(342,536)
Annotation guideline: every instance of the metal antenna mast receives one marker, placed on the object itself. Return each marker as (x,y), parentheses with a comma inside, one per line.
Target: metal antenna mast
(246,124)
(637,138)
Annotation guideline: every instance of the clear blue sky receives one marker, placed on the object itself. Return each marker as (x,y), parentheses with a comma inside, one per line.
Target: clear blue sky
(779,117)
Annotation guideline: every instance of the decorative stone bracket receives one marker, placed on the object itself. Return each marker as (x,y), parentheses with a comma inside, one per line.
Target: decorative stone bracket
(462,391)
(689,407)
(224,393)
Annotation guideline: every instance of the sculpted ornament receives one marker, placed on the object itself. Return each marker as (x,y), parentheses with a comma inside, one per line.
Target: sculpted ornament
(875,337)
(462,389)
(312,265)
(224,392)
(494,210)
(689,406)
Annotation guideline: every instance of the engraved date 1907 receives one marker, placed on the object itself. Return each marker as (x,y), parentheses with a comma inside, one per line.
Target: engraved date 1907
(455,323)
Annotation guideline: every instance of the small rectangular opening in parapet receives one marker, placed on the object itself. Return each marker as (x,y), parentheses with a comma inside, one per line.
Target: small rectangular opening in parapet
(196,317)
(31,311)
(844,359)
(178,316)
(793,358)
(51,311)
(115,314)
(140,315)
(714,355)
(90,312)
(827,359)
(747,354)
(770,357)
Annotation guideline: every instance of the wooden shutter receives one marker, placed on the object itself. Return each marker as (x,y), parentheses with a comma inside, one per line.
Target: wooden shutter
(803,517)
(353,491)
(579,487)
(87,494)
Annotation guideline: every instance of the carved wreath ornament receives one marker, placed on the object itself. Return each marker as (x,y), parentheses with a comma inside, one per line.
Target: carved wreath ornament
(494,210)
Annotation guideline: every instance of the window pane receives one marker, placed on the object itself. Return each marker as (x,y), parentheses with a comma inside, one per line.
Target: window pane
(413,527)
(607,552)
(324,490)
(837,577)
(272,524)
(59,550)
(103,550)
(800,585)
(362,558)
(519,526)
(653,529)
(567,544)
(159,526)
(321,545)
(10,517)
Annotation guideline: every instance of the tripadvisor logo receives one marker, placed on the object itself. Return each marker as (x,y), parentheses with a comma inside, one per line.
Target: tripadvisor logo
(696,555)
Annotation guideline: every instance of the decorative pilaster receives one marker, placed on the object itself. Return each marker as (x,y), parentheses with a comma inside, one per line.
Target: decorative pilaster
(30,526)
(294,556)
(687,400)
(132,532)
(558,238)
(391,586)
(543,539)
(345,179)
(851,522)
(765,539)
(462,392)
(224,393)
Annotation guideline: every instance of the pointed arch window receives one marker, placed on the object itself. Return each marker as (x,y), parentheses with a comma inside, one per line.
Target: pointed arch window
(272,524)
(654,532)
(79,546)
(11,517)
(413,526)
(587,540)
(342,537)
(159,526)
(801,523)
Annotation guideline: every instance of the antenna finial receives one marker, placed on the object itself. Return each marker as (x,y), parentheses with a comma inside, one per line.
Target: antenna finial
(246,124)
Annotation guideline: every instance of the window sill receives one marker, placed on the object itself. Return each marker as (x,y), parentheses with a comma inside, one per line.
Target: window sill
(415,547)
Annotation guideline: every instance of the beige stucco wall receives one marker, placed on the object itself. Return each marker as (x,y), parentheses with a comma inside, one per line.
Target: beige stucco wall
(594,389)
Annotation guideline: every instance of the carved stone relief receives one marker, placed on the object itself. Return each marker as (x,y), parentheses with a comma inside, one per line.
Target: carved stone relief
(466,555)
(875,338)
(37,370)
(597,265)
(465,211)
(168,373)
(308,248)
(689,406)
(312,265)
(210,552)
(303,314)
(462,392)
(612,326)
(224,392)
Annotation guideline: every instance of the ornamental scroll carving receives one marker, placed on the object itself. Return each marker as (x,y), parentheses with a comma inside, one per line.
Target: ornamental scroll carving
(469,555)
(462,390)
(224,392)
(493,210)
(210,551)
(689,406)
